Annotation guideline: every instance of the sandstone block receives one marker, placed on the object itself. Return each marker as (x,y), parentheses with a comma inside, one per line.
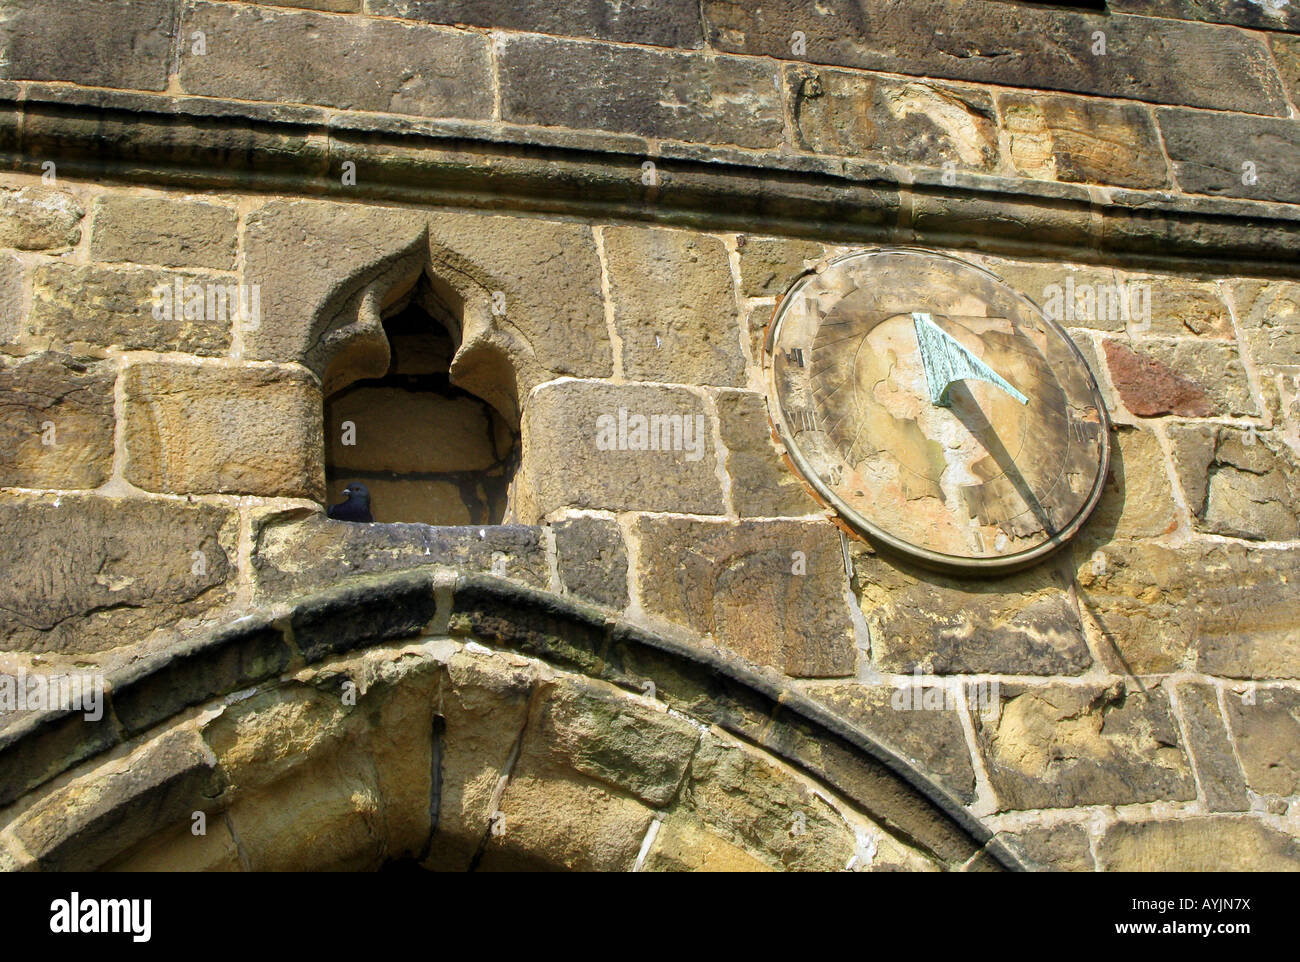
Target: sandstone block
(1214,844)
(57,424)
(578,454)
(1184,378)
(353,63)
(1210,153)
(1269,313)
(1243,484)
(674,306)
(1059,747)
(39,219)
(1075,139)
(1266,726)
(1217,768)
(761,485)
(1022,624)
(246,430)
(592,560)
(115,569)
(85,308)
(893,121)
(99,43)
(769,265)
(156,230)
(773,592)
(661,94)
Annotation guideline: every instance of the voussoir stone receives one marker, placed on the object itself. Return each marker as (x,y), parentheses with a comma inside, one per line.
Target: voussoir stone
(208,430)
(578,455)
(773,592)
(114,569)
(56,422)
(1059,747)
(674,306)
(39,219)
(89,309)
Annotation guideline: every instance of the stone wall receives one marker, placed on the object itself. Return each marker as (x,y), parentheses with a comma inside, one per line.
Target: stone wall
(1132,702)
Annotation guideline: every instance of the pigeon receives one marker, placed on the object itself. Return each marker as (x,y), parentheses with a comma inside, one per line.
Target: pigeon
(356,506)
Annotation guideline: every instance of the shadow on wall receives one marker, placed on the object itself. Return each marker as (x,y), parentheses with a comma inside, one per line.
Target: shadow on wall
(429,451)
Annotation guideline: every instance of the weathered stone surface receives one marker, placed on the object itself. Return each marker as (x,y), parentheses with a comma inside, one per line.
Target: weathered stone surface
(1214,844)
(573,458)
(771,592)
(294,552)
(892,121)
(1218,608)
(769,265)
(1023,624)
(1266,727)
(83,824)
(782,822)
(1182,306)
(1067,293)
(1058,747)
(683,845)
(361,612)
(12,313)
(674,306)
(598,730)
(317,817)
(314,259)
(243,430)
(88,309)
(670,95)
(484,706)
(56,422)
(100,43)
(1154,60)
(761,485)
(1137,500)
(932,739)
(333,6)
(182,851)
(667,23)
(1269,315)
(1082,141)
(113,569)
(1184,378)
(1210,152)
(39,219)
(592,560)
(1244,484)
(1286,54)
(157,230)
(1244,13)
(410,432)
(261,739)
(352,63)
(1217,769)
(1061,848)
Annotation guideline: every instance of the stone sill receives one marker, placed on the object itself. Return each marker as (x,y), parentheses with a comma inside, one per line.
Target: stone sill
(204,143)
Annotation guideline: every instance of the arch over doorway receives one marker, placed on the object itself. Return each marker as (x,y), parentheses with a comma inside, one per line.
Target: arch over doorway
(462,721)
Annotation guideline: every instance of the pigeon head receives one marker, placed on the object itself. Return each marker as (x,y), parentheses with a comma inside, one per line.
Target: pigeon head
(357,493)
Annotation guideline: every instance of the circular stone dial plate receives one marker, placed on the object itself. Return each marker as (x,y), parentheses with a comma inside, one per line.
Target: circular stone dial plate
(978,479)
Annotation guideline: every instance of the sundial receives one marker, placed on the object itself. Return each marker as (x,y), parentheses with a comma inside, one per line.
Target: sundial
(936,410)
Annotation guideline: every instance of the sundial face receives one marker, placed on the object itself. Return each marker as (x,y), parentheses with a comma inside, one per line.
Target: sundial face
(936,410)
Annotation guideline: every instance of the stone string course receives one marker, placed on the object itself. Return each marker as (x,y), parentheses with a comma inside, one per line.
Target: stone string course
(1130,703)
